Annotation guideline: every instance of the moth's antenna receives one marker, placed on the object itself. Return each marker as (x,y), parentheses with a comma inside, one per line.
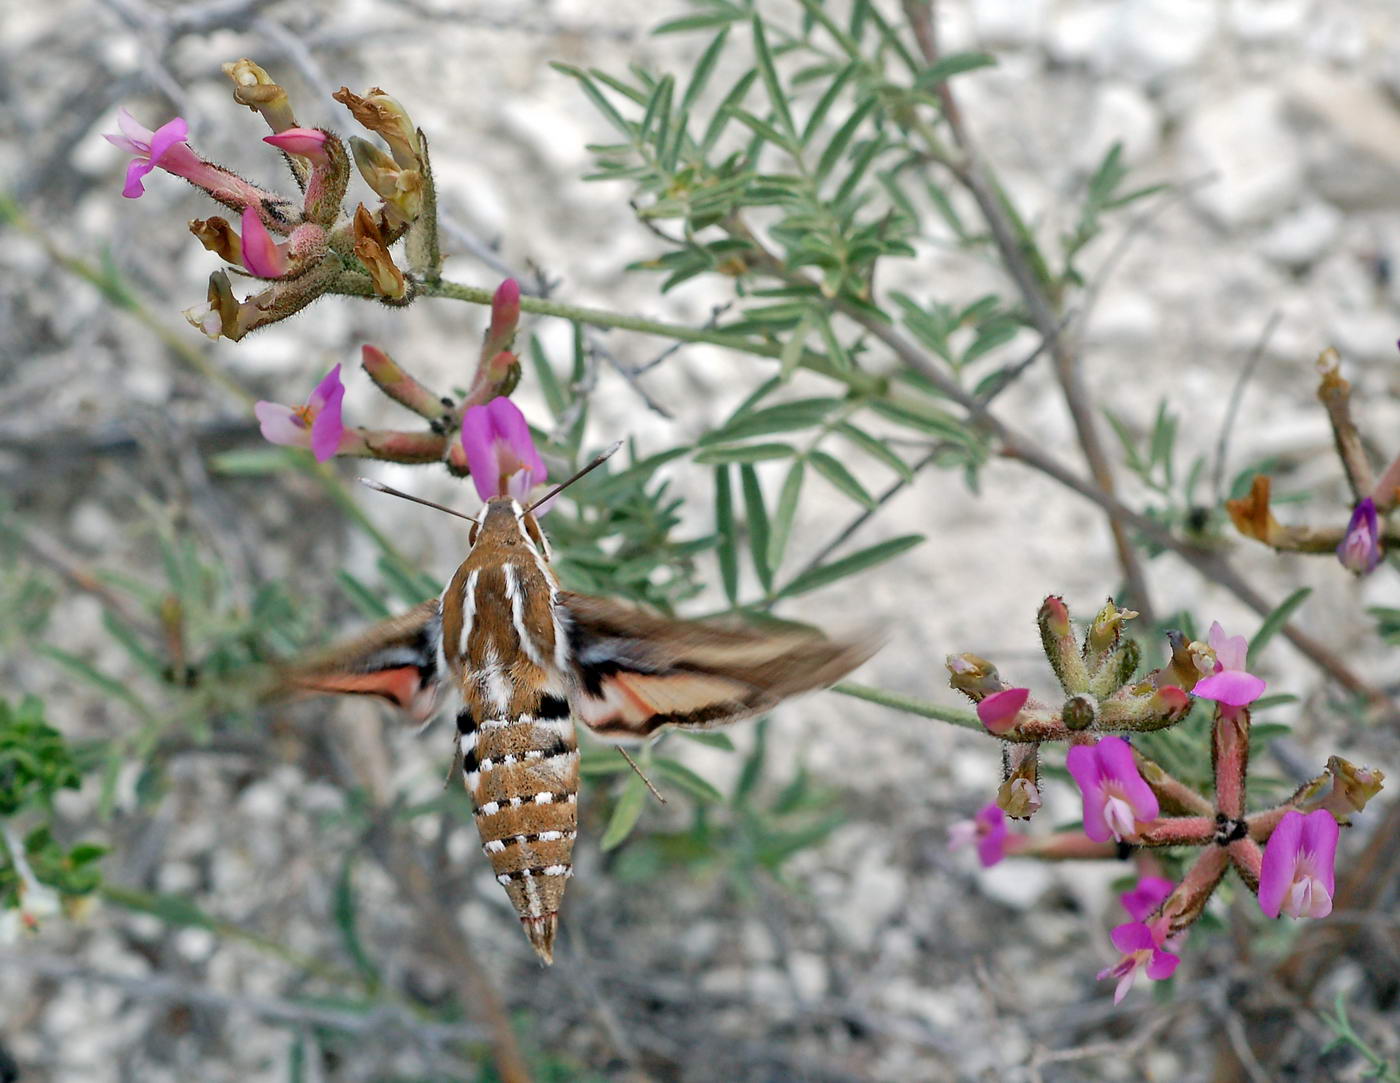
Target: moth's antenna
(380,487)
(599,461)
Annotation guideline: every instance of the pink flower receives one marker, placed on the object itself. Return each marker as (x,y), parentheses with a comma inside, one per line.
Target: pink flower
(1360,550)
(1230,683)
(262,255)
(1144,951)
(987,829)
(308,142)
(1297,875)
(316,425)
(1146,897)
(165,147)
(1115,796)
(999,710)
(500,454)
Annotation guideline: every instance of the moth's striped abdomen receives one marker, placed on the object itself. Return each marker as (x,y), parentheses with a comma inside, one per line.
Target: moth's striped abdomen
(523,777)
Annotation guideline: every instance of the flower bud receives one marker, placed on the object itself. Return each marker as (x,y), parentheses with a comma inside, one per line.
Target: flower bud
(1079,712)
(389,281)
(1142,707)
(975,677)
(1342,789)
(1061,648)
(385,117)
(400,386)
(1019,795)
(309,143)
(402,190)
(254,88)
(505,316)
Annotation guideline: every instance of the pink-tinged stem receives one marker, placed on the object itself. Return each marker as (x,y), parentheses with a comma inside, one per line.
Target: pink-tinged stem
(1178,831)
(1036,728)
(1230,757)
(1061,846)
(395,382)
(1262,824)
(1248,859)
(1174,795)
(394,447)
(1184,905)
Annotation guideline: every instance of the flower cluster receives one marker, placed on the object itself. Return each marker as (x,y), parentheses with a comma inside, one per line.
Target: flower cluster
(493,441)
(1130,801)
(309,247)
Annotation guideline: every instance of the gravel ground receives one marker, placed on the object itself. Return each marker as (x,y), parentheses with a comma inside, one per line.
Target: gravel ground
(887,957)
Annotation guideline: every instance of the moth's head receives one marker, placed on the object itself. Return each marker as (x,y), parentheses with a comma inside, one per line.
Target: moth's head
(505,522)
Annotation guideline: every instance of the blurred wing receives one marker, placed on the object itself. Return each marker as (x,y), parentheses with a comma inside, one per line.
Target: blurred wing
(398,659)
(636,672)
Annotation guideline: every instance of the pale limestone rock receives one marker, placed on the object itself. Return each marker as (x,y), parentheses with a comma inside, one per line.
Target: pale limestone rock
(1245,141)
(1302,235)
(1121,113)
(1352,137)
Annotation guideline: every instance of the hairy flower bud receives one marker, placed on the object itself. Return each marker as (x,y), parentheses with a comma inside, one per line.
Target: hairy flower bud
(1060,646)
(1079,712)
(975,677)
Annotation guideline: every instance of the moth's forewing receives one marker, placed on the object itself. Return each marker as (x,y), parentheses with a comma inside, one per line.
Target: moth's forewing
(398,660)
(636,671)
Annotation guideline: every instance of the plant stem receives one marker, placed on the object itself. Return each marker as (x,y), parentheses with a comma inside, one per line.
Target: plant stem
(900,702)
(598,317)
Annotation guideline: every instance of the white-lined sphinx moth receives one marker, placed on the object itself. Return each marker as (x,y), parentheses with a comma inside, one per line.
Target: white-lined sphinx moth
(527,658)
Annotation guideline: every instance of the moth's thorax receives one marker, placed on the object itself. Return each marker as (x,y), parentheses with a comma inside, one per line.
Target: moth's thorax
(501,634)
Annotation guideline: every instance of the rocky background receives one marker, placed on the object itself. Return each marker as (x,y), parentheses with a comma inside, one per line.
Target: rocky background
(1277,124)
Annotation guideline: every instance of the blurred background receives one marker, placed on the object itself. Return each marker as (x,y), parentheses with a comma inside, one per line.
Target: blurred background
(263,918)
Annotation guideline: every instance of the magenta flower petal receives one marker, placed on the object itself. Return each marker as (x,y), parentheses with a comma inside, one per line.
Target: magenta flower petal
(327,389)
(135,137)
(1146,896)
(1320,836)
(147,146)
(991,845)
(1083,766)
(281,425)
(1232,687)
(999,710)
(308,142)
(1298,873)
(328,427)
(477,442)
(171,133)
(316,425)
(1230,651)
(261,255)
(1230,684)
(135,170)
(1116,765)
(1360,549)
(1132,936)
(1115,795)
(500,452)
(1163,964)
